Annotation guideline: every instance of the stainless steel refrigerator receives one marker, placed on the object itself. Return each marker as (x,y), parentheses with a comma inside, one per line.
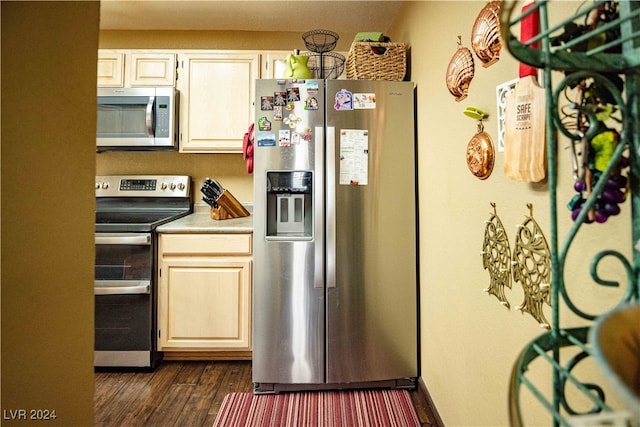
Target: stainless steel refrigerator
(335,302)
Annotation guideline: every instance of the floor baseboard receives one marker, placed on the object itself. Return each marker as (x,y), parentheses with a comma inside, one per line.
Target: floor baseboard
(422,389)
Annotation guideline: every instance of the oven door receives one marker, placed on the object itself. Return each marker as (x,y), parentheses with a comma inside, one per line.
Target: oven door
(124,314)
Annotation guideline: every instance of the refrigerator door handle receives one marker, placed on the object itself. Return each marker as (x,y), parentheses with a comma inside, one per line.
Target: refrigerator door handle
(330,191)
(319,273)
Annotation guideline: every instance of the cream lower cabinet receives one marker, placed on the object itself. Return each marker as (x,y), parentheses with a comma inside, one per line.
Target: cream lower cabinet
(204,298)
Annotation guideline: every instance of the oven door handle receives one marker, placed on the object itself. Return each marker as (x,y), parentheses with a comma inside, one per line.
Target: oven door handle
(122,287)
(123,239)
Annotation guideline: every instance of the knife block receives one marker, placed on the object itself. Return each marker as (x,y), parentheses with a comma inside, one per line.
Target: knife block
(228,207)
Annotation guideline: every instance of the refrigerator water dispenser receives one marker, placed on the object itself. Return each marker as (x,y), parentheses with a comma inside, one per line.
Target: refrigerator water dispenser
(289,205)
(290,215)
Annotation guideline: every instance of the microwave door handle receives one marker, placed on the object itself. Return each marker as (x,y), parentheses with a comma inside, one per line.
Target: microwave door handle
(149,115)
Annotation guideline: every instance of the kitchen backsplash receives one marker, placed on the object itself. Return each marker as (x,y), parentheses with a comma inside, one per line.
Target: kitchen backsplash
(228,169)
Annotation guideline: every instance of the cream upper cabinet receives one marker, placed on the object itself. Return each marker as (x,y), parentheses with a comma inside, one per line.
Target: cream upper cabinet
(133,68)
(216,99)
(152,69)
(204,298)
(270,68)
(110,69)
(269,63)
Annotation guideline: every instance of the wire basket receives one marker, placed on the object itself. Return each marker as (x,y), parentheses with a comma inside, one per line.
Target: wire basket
(328,65)
(320,40)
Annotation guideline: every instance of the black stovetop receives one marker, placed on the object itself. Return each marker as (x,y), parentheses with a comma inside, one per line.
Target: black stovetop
(135,215)
(124,222)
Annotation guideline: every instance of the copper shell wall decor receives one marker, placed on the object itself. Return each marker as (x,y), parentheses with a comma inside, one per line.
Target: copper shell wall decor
(496,257)
(460,72)
(485,35)
(531,266)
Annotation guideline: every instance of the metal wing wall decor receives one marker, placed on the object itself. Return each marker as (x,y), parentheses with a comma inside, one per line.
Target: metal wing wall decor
(531,266)
(496,257)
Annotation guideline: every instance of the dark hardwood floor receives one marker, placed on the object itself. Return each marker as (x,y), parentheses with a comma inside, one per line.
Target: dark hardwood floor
(184,394)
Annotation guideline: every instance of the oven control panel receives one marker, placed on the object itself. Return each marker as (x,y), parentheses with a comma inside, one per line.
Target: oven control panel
(143,186)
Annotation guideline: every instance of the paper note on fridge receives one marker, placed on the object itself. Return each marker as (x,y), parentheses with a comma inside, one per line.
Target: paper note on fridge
(354,157)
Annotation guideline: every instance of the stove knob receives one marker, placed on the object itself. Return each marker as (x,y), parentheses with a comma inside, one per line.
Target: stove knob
(181,186)
(163,186)
(97,185)
(172,186)
(105,185)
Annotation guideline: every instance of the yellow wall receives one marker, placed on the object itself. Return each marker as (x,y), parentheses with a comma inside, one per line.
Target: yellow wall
(48,163)
(250,40)
(469,341)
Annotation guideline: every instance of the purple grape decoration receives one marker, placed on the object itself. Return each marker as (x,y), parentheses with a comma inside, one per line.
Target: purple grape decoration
(575,213)
(611,208)
(601,216)
(579,186)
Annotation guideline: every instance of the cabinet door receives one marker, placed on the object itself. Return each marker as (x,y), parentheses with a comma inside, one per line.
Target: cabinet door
(152,69)
(272,70)
(270,67)
(204,303)
(110,69)
(216,100)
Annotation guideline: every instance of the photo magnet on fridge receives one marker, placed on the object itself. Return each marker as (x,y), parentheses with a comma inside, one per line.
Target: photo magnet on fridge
(344,100)
(266,139)
(264,124)
(312,88)
(266,103)
(278,113)
(280,99)
(284,138)
(311,103)
(293,94)
(364,101)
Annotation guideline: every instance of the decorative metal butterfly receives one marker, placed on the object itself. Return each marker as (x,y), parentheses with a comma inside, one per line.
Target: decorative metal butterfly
(496,257)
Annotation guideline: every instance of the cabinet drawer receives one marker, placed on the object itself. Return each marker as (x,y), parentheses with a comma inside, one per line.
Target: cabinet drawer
(194,244)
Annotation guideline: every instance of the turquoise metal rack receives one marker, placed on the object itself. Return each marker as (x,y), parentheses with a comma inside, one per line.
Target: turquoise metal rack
(580,60)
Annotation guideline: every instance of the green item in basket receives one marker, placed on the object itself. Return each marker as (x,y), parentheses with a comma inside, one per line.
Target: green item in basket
(373,36)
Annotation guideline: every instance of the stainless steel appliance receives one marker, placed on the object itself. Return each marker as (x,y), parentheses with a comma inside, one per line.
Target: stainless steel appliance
(335,236)
(137,118)
(128,210)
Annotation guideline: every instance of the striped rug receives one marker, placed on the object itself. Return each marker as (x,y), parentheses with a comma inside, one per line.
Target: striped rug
(358,408)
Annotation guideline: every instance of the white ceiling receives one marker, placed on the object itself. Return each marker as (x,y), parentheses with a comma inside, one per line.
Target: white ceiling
(265,15)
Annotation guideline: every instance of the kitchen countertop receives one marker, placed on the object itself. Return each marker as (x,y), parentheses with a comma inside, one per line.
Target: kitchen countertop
(200,222)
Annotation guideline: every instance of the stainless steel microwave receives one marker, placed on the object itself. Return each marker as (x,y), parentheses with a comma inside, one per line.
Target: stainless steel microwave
(137,119)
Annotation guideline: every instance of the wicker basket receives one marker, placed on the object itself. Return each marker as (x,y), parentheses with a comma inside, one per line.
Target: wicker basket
(377,61)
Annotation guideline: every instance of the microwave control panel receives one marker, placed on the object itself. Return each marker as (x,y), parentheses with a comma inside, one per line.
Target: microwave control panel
(163,116)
